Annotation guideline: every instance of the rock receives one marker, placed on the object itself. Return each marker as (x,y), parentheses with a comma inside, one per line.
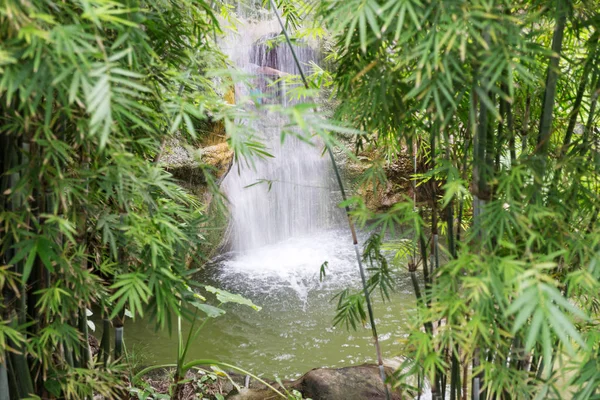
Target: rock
(350,383)
(187,165)
(393,179)
(218,156)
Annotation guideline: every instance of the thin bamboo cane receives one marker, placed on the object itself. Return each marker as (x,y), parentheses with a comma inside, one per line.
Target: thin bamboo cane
(75,351)
(480,191)
(525,127)
(68,354)
(119,320)
(412,265)
(455,364)
(546,117)
(4,387)
(118,324)
(84,346)
(511,132)
(105,343)
(20,366)
(501,133)
(17,364)
(350,223)
(580,91)
(592,111)
(438,387)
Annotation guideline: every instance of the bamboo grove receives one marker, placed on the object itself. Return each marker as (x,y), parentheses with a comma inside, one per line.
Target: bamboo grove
(497,103)
(89,220)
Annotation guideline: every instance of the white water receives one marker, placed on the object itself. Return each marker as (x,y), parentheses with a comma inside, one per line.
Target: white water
(295,196)
(293,266)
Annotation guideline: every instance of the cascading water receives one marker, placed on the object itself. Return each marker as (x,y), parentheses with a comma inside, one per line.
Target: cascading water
(288,195)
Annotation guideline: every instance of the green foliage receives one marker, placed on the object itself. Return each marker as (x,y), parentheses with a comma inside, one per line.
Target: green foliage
(350,309)
(486,94)
(90,91)
(323,270)
(380,273)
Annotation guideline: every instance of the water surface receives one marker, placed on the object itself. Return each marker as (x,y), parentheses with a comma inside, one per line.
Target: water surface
(293,332)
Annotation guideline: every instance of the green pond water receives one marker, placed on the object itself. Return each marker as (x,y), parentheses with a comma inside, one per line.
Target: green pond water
(293,332)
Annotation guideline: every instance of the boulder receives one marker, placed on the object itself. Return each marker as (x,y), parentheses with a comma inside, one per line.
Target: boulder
(350,383)
(187,164)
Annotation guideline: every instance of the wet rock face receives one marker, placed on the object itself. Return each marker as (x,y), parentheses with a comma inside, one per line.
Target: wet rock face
(218,156)
(351,383)
(397,184)
(185,166)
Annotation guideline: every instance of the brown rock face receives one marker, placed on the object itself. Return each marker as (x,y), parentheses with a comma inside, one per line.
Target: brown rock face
(187,165)
(350,383)
(218,156)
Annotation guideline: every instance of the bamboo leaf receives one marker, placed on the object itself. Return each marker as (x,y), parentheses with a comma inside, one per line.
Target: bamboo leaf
(226,297)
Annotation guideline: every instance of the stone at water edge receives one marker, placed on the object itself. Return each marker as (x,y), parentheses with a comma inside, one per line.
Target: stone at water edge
(350,383)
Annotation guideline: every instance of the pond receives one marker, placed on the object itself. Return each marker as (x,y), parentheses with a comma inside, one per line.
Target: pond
(293,332)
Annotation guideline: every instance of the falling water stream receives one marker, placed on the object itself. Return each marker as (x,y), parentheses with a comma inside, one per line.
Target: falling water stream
(281,231)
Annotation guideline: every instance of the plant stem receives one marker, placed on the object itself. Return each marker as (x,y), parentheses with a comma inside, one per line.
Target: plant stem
(545,128)
(592,111)
(4,388)
(105,343)
(20,366)
(85,346)
(587,67)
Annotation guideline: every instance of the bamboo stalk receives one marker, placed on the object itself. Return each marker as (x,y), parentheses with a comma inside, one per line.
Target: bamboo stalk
(16,361)
(423,249)
(16,204)
(68,354)
(546,117)
(84,346)
(455,391)
(118,324)
(525,127)
(438,389)
(350,223)
(501,134)
(4,387)
(105,342)
(412,265)
(20,366)
(511,133)
(119,320)
(455,365)
(592,111)
(480,190)
(587,67)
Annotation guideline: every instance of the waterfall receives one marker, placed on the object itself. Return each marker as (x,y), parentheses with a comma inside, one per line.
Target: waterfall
(283,230)
(288,195)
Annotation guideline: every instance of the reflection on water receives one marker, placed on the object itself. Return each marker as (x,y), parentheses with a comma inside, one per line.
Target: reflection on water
(293,332)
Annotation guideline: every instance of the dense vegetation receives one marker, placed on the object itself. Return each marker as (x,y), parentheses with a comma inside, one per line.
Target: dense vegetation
(89,92)
(495,100)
